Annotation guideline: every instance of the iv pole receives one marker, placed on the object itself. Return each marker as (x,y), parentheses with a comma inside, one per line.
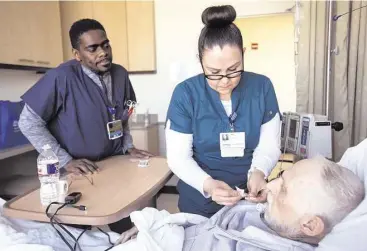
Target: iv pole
(329,51)
(337,126)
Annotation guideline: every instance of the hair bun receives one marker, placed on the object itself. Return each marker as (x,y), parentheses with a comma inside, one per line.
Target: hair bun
(218,16)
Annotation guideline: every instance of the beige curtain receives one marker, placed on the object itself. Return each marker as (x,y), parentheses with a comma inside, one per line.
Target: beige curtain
(311,57)
(348,83)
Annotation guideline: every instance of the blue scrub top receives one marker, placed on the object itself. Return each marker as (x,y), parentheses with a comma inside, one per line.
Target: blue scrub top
(196,108)
(76,110)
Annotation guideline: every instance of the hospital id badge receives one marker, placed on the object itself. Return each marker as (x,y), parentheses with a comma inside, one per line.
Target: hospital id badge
(232,144)
(114,129)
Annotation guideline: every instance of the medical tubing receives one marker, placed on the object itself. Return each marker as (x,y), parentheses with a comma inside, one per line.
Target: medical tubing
(52,220)
(109,239)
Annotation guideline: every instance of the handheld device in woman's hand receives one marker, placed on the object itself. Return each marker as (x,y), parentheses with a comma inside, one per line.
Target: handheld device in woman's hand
(221,192)
(256,187)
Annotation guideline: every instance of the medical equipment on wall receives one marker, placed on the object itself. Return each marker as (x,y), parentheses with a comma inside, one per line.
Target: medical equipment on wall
(307,135)
(291,132)
(314,136)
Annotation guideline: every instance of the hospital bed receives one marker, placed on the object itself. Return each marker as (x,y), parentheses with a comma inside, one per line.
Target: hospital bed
(353,228)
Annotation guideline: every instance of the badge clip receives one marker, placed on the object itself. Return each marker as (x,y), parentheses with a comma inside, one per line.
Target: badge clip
(232,118)
(112,111)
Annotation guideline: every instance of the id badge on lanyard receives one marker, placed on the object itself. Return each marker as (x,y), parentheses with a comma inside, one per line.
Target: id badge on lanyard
(114,128)
(232,144)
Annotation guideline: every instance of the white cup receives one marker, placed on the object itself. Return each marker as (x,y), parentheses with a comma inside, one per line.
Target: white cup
(62,188)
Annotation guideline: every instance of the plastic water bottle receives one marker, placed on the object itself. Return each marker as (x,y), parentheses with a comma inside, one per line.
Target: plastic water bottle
(48,174)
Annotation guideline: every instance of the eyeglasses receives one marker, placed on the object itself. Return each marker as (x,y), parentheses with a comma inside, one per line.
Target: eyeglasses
(90,179)
(229,75)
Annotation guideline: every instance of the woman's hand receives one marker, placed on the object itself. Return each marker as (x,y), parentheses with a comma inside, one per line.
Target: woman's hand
(127,235)
(220,192)
(256,186)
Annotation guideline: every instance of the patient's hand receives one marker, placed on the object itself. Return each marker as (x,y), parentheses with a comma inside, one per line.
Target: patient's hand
(127,235)
(221,192)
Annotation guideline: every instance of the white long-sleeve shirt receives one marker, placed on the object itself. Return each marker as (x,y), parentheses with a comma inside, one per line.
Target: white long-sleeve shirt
(180,152)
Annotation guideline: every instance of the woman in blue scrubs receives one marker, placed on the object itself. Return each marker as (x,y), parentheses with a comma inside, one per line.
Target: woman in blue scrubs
(223,126)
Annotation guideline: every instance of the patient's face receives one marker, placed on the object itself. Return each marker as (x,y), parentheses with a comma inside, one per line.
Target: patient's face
(290,196)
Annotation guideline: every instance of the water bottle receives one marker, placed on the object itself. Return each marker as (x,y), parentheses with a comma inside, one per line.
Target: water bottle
(48,174)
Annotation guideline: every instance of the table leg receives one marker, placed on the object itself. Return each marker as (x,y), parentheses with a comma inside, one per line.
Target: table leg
(125,224)
(154,201)
(121,225)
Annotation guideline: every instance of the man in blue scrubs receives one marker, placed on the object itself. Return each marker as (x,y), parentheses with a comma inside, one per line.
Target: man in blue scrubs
(223,126)
(79,108)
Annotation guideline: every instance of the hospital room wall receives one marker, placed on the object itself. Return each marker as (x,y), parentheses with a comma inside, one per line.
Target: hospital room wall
(178,25)
(272,53)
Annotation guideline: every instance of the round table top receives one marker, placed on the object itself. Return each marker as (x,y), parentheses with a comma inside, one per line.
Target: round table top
(120,188)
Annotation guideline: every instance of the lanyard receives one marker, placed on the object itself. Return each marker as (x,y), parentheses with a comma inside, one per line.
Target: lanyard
(233,116)
(110,106)
(231,119)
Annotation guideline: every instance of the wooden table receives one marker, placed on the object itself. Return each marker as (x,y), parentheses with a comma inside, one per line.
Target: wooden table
(120,188)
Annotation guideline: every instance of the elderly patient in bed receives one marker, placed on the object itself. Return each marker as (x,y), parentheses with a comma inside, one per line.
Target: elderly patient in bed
(303,205)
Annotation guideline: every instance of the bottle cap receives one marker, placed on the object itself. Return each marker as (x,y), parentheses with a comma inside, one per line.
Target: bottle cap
(46,147)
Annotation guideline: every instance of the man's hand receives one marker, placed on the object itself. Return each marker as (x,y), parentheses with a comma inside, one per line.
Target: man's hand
(136,153)
(220,192)
(127,235)
(256,187)
(81,167)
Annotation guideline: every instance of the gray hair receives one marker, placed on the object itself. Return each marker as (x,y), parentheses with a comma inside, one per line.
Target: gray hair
(344,188)
(342,191)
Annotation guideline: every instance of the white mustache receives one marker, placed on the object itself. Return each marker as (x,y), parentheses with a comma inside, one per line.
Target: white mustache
(262,207)
(269,201)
